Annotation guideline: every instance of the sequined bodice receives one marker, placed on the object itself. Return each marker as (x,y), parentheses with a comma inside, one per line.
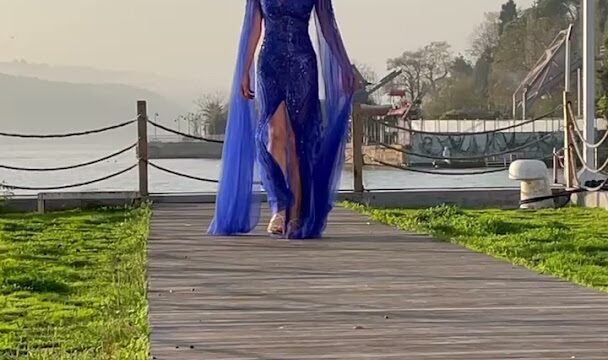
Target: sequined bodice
(287,24)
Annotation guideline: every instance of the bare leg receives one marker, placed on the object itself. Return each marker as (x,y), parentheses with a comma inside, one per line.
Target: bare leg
(277,147)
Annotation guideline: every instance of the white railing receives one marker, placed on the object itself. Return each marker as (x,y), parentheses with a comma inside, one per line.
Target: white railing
(447,126)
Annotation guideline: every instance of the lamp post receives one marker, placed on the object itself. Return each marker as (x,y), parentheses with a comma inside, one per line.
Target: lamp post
(589,84)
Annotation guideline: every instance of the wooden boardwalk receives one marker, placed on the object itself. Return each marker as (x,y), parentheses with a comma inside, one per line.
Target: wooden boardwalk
(365,292)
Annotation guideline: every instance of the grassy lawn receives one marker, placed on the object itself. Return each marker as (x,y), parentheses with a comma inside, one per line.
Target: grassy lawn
(570,243)
(72,285)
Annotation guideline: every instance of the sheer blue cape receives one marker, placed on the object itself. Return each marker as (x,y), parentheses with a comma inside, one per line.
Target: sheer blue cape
(239,194)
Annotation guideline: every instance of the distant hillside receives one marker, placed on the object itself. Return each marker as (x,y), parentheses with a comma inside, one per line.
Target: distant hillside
(181,92)
(34,105)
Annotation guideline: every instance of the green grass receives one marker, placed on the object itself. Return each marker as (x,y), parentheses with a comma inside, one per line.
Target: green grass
(570,243)
(72,285)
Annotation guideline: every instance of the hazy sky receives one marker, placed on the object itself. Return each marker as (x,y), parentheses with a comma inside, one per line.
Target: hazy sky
(196,39)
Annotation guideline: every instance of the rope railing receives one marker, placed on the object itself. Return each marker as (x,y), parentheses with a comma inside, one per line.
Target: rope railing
(176,173)
(469,133)
(63,187)
(71,134)
(573,178)
(69,167)
(358,158)
(581,157)
(580,135)
(190,136)
(431,172)
(187,176)
(472,157)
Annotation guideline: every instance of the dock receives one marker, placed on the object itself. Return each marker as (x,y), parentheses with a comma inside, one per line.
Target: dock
(366,291)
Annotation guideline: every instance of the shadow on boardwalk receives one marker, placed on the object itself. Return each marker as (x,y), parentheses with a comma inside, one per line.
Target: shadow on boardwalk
(367,291)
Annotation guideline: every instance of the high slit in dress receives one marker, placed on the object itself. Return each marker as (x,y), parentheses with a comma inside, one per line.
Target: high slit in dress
(290,70)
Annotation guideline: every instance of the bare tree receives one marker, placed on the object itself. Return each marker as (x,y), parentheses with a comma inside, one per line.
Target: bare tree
(422,69)
(486,37)
(437,62)
(412,79)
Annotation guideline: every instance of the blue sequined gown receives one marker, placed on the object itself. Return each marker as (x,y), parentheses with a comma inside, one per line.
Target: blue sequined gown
(287,73)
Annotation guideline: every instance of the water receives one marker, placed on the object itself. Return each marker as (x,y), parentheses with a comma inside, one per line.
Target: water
(47,153)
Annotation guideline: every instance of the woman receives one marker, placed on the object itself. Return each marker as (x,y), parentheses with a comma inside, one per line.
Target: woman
(288,138)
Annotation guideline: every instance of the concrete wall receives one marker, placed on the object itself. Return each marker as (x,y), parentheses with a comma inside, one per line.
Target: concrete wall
(591,200)
(473,198)
(469,146)
(184,150)
(378,152)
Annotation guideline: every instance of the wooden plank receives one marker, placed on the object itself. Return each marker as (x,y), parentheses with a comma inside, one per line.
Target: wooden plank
(366,291)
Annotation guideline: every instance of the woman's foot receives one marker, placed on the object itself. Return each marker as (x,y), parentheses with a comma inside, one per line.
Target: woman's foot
(277,225)
(293,226)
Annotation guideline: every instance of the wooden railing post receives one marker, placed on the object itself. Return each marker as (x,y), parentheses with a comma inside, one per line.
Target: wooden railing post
(142,148)
(569,166)
(357,143)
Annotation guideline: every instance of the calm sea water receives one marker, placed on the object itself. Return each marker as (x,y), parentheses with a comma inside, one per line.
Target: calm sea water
(48,153)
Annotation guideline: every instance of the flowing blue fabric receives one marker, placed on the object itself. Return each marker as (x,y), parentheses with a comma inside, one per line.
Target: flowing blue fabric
(237,209)
(318,112)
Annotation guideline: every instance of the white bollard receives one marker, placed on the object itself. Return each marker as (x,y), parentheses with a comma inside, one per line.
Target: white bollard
(534,178)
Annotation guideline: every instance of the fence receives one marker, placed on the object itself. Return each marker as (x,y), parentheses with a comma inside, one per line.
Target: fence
(570,155)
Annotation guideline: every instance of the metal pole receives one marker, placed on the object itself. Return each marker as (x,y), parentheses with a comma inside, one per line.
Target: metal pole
(579,95)
(524,99)
(568,62)
(514,107)
(589,78)
(568,166)
(555,166)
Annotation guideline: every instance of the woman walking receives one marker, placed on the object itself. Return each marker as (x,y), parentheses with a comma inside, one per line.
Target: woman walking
(289,134)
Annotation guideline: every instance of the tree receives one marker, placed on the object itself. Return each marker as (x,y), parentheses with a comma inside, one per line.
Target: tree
(508,13)
(564,10)
(456,92)
(521,45)
(422,69)
(370,76)
(412,79)
(481,74)
(213,109)
(486,37)
(460,67)
(437,61)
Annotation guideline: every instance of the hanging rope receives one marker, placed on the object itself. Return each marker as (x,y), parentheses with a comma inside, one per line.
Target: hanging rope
(62,187)
(66,135)
(473,157)
(173,172)
(191,177)
(581,157)
(184,134)
(443,173)
(580,135)
(70,167)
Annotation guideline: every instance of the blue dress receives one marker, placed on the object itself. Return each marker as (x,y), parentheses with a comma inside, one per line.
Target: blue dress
(288,72)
